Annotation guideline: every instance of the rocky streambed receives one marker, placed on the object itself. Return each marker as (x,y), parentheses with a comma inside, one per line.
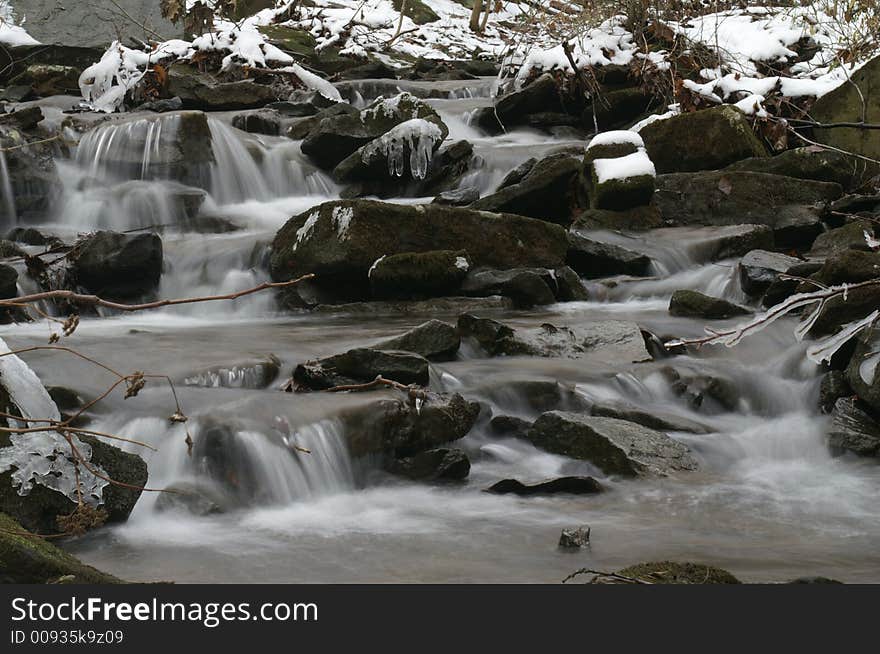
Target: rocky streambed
(517,294)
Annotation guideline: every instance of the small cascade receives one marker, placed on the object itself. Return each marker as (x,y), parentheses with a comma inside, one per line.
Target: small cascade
(10,215)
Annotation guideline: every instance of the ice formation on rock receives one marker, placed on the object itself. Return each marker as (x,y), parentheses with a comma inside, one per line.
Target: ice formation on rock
(417,135)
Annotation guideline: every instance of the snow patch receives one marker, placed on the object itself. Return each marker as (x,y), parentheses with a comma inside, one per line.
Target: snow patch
(617,137)
(637,164)
(342,220)
(305,231)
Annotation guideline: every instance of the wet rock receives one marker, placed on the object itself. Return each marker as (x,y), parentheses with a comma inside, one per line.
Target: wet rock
(637,219)
(814,163)
(259,373)
(398,428)
(722,393)
(660,421)
(838,311)
(336,137)
(162,106)
(845,105)
(545,192)
(265,121)
(693,304)
(847,266)
(9,250)
(848,237)
(570,287)
(28,559)
(39,509)
(758,269)
(362,365)
(862,373)
(814,580)
(575,537)
(302,128)
(541,95)
(116,265)
(198,90)
(535,395)
(606,340)
(592,258)
(459,197)
(340,241)
(616,447)
(671,572)
(526,287)
(30,165)
(198,499)
(568,485)
(853,429)
(435,340)
(369,70)
(439,305)
(509,426)
(29,236)
(619,108)
(418,275)
(442,463)
(833,387)
(8,282)
(791,207)
(66,399)
(702,140)
(780,289)
(49,79)
(207,224)
(517,175)
(717,243)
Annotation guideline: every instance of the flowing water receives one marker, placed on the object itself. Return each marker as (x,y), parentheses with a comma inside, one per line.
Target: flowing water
(769,502)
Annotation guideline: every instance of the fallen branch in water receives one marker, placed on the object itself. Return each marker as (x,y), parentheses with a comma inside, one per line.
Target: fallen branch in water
(609,575)
(94,300)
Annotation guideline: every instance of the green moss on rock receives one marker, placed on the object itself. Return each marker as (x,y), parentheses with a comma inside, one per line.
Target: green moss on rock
(28,559)
(672,572)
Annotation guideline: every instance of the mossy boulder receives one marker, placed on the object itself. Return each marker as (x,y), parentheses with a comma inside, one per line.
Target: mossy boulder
(815,163)
(336,137)
(671,572)
(703,140)
(26,558)
(417,11)
(844,104)
(418,275)
(289,39)
(340,241)
(693,304)
(545,192)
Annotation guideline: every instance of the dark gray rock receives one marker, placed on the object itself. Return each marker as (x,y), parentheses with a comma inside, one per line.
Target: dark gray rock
(545,192)
(509,426)
(575,537)
(693,304)
(335,137)
(703,140)
(398,428)
(758,269)
(362,365)
(833,387)
(616,447)
(201,90)
(419,275)
(441,463)
(660,421)
(435,340)
(607,340)
(525,287)
(459,197)
(863,367)
(568,485)
(116,265)
(592,258)
(810,162)
(793,208)
(198,499)
(853,429)
(265,121)
(569,286)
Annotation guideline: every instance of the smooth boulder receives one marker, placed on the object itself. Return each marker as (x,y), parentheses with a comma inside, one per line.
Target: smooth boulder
(117,265)
(435,340)
(614,446)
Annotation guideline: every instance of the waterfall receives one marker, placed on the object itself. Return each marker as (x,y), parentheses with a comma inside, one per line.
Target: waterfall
(10,216)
